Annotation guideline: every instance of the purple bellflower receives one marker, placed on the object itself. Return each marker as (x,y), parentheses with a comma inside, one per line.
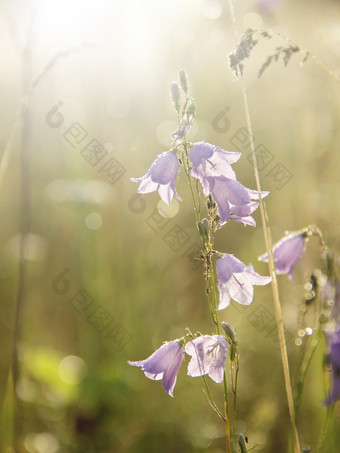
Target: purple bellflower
(210,160)
(212,166)
(163,364)
(236,280)
(161,176)
(335,363)
(233,200)
(208,356)
(287,252)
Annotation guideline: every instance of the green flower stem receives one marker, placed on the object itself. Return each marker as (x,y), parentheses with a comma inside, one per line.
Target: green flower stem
(234,388)
(320,446)
(227,424)
(211,399)
(210,289)
(303,371)
(213,292)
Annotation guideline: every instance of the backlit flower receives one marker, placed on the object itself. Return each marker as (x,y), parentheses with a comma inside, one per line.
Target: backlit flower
(163,364)
(287,252)
(208,356)
(210,160)
(236,280)
(161,176)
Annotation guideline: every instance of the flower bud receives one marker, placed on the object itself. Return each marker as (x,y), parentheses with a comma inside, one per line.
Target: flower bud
(205,222)
(230,332)
(232,352)
(242,443)
(183,78)
(175,96)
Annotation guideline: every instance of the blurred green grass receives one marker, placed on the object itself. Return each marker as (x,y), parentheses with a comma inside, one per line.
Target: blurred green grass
(124,266)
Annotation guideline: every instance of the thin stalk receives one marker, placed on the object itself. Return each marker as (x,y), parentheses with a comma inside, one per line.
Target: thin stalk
(186,169)
(269,249)
(322,439)
(225,384)
(214,296)
(211,400)
(234,388)
(227,424)
(25,214)
(303,370)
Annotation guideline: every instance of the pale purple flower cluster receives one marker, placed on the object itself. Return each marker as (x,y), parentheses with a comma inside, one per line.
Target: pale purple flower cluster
(208,356)
(211,165)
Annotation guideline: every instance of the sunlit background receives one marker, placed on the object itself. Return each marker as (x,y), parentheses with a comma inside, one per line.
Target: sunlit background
(100,280)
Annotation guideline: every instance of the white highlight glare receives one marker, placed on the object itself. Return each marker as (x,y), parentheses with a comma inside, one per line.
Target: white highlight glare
(67,22)
(212,9)
(72,370)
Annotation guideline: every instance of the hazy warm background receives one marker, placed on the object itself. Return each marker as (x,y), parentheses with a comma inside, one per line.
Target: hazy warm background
(111,66)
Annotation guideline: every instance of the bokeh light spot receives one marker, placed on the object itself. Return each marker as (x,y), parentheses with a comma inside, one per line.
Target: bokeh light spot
(94,221)
(72,370)
(252,20)
(212,9)
(166,210)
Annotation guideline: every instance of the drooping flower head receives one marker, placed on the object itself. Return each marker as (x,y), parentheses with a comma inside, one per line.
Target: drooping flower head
(334,355)
(236,280)
(161,176)
(287,252)
(233,200)
(210,160)
(163,364)
(212,167)
(208,356)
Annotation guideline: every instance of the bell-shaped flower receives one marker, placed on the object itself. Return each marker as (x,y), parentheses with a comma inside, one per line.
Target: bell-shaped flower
(287,252)
(208,356)
(163,364)
(233,200)
(236,280)
(161,176)
(210,160)
(334,355)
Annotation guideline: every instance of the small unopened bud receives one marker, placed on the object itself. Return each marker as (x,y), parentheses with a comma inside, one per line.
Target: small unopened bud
(183,78)
(205,222)
(175,96)
(203,231)
(210,202)
(242,443)
(230,332)
(232,350)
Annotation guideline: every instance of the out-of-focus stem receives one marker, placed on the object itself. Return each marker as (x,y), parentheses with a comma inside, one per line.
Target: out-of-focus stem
(269,249)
